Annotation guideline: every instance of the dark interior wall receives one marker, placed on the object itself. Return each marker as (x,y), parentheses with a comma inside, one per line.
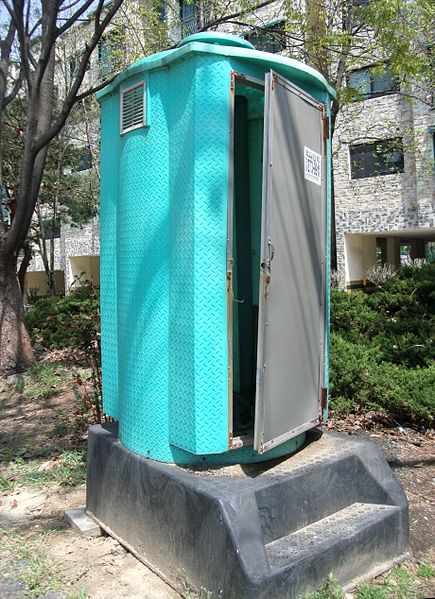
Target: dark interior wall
(248,151)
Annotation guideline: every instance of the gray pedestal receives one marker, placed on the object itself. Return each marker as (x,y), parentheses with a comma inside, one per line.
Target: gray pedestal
(274,529)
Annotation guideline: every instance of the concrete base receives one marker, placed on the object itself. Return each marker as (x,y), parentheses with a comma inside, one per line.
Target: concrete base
(82,523)
(274,529)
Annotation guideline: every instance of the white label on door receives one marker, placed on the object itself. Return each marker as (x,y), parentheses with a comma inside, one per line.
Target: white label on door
(312,166)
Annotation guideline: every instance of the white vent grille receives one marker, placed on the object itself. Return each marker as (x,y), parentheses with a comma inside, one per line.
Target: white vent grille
(133,108)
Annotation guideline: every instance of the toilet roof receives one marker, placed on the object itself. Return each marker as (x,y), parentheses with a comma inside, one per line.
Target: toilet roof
(227,45)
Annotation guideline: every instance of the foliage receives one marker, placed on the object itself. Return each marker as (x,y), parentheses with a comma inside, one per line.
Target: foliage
(359,380)
(383,347)
(331,590)
(70,321)
(73,321)
(69,471)
(380,274)
(398,320)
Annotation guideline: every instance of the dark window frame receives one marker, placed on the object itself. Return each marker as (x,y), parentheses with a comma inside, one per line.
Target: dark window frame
(84,161)
(50,229)
(373,80)
(189,17)
(353,13)
(376,158)
(268,38)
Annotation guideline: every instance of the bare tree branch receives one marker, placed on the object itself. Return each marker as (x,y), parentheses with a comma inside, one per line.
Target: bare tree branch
(5,52)
(72,95)
(224,18)
(14,91)
(94,89)
(75,16)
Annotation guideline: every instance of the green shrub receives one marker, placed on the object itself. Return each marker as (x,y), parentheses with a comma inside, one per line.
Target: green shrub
(73,321)
(398,319)
(59,322)
(359,379)
(382,353)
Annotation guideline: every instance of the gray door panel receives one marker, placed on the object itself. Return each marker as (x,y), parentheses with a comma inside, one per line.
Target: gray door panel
(291,321)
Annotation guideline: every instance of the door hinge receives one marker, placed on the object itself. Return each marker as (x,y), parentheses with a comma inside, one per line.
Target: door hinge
(323,398)
(274,81)
(233,82)
(325,127)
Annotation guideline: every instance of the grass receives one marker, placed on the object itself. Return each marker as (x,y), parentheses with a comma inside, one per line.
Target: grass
(425,571)
(331,590)
(399,583)
(27,561)
(42,379)
(69,471)
(80,594)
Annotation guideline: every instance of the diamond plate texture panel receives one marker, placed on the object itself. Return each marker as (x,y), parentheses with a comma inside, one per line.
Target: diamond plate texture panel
(212,138)
(181,120)
(143,281)
(164,259)
(109,197)
(199,137)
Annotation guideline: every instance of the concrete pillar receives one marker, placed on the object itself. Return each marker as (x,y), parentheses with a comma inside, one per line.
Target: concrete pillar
(393,251)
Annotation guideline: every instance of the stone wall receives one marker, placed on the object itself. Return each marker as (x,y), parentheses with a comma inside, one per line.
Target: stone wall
(383,203)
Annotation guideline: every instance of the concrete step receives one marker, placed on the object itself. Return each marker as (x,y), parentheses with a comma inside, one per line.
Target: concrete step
(340,531)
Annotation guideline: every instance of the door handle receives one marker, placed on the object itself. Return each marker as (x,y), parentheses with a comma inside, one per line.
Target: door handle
(267,265)
(271,254)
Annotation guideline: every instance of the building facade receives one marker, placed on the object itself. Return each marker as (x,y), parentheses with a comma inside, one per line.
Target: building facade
(383,154)
(384,182)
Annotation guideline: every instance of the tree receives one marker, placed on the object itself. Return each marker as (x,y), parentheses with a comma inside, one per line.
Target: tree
(32,35)
(69,187)
(334,36)
(35,35)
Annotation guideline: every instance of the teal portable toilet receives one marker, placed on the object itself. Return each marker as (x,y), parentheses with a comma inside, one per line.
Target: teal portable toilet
(215,227)
(215,170)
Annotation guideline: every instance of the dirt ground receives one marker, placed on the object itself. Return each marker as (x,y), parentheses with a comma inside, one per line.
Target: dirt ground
(99,567)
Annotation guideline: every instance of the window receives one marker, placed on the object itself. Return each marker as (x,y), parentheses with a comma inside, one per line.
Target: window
(372,82)
(50,229)
(376,158)
(74,63)
(104,57)
(405,253)
(189,17)
(110,50)
(381,251)
(84,162)
(353,13)
(270,38)
(429,251)
(133,107)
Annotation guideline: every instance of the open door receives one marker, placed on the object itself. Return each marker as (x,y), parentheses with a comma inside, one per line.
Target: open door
(291,327)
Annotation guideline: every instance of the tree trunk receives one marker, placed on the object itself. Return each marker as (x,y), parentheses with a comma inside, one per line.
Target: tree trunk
(16,350)
(24,266)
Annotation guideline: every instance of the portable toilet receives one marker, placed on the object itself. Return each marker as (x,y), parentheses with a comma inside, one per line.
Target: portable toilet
(215,227)
(214,248)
